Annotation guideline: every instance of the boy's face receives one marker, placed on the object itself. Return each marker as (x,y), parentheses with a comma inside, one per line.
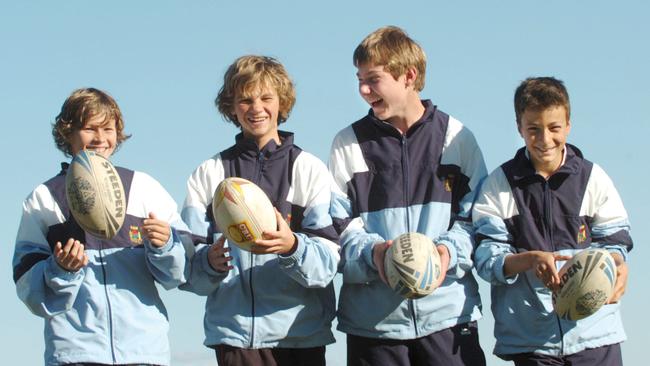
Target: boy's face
(545,133)
(387,97)
(97,135)
(257,112)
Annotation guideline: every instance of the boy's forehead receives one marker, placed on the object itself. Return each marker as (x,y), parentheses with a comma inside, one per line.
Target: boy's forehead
(257,88)
(368,69)
(554,113)
(100,119)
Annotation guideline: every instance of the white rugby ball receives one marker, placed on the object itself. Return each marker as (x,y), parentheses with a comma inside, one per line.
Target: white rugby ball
(95,194)
(412,265)
(586,283)
(242,211)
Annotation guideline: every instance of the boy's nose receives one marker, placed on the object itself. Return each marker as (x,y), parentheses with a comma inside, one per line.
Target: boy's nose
(547,136)
(364,89)
(257,105)
(99,135)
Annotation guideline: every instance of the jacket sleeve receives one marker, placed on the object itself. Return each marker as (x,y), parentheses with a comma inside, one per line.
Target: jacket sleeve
(356,263)
(167,263)
(202,279)
(315,261)
(610,228)
(45,287)
(461,148)
(493,205)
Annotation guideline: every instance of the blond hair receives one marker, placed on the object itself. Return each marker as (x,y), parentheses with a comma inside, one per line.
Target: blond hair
(392,48)
(250,72)
(81,106)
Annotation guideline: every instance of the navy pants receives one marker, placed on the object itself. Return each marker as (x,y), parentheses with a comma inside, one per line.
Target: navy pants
(234,356)
(456,346)
(601,356)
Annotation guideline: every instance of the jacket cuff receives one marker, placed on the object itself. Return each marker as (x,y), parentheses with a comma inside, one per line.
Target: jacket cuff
(56,271)
(206,266)
(497,269)
(292,259)
(165,248)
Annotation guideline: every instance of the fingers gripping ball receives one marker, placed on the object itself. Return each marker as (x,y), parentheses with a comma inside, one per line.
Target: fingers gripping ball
(412,265)
(95,194)
(586,283)
(242,211)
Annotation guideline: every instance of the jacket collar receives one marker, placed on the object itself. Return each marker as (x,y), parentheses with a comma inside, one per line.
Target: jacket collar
(248,147)
(427,116)
(523,168)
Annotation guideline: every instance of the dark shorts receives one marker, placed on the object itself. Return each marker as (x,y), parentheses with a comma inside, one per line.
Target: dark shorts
(455,346)
(601,356)
(103,364)
(234,356)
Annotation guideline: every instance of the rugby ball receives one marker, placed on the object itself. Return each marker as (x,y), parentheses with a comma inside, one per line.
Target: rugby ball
(586,283)
(412,265)
(242,211)
(95,194)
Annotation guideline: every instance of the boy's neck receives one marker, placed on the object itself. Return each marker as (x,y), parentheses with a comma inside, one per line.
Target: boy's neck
(263,141)
(411,113)
(546,170)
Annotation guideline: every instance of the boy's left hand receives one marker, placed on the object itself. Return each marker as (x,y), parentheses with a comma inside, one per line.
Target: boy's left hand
(276,242)
(156,231)
(444,262)
(621,278)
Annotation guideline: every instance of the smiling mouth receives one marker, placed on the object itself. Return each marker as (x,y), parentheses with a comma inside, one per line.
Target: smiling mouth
(256,119)
(376,103)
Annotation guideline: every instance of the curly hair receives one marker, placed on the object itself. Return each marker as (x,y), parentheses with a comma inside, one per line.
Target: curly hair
(80,107)
(249,72)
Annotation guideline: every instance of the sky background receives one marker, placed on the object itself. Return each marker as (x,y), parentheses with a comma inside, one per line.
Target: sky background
(164,61)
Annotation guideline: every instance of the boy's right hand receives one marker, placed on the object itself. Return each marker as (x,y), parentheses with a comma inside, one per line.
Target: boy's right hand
(217,256)
(71,257)
(543,263)
(378,254)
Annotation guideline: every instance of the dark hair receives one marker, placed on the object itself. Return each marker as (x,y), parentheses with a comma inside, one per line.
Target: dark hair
(539,93)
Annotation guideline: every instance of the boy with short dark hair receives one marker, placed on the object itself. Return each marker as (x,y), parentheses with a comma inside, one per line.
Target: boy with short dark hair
(274,305)
(405,167)
(533,213)
(98,297)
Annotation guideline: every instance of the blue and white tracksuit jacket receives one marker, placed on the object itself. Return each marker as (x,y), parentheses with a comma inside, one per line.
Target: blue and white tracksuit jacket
(389,184)
(267,300)
(109,311)
(517,211)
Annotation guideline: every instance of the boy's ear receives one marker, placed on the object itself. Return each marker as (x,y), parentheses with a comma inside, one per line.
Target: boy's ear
(411,75)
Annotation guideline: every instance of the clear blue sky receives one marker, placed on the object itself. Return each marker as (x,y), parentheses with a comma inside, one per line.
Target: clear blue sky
(164,60)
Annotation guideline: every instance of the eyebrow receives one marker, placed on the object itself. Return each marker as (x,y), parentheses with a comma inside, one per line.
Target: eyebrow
(370,73)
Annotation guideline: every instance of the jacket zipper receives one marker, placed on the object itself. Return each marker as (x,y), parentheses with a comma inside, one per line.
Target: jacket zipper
(258,176)
(405,174)
(108,302)
(548,202)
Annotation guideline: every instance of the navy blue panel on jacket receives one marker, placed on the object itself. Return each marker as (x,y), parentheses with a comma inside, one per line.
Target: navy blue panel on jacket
(384,148)
(549,216)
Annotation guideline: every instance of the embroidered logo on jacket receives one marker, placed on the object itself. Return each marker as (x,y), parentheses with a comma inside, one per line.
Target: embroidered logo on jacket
(449,182)
(135,235)
(582,234)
